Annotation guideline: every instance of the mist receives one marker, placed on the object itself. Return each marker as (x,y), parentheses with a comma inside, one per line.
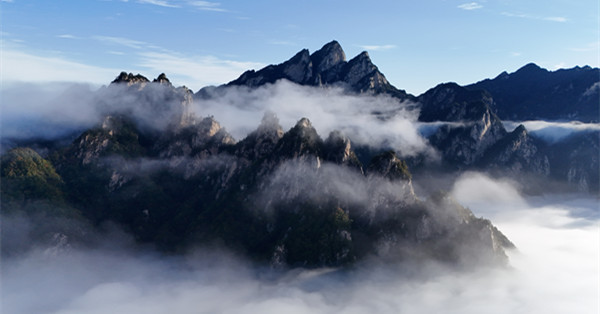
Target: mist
(552,132)
(45,110)
(53,110)
(376,121)
(553,270)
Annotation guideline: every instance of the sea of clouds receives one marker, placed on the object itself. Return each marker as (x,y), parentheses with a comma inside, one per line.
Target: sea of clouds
(553,270)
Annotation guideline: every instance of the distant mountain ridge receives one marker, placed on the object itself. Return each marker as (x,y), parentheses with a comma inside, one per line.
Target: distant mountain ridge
(530,93)
(480,140)
(534,93)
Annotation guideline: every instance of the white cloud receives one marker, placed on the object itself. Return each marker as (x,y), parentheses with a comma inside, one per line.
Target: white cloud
(558,19)
(470,6)
(162,3)
(240,110)
(115,52)
(377,47)
(197,71)
(121,41)
(594,46)
(67,36)
(192,71)
(200,5)
(24,67)
(207,6)
(555,131)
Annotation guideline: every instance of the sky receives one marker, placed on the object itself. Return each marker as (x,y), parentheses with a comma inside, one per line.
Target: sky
(416,44)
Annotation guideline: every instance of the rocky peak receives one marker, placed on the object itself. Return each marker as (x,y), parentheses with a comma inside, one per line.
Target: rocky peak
(130,79)
(299,68)
(326,66)
(452,102)
(517,152)
(338,149)
(300,140)
(530,68)
(208,127)
(304,123)
(261,142)
(358,68)
(520,130)
(270,125)
(336,138)
(112,123)
(390,166)
(328,57)
(162,79)
(502,76)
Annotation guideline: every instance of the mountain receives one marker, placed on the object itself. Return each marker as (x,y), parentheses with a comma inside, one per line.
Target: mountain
(473,126)
(534,93)
(325,67)
(290,198)
(469,133)
(284,198)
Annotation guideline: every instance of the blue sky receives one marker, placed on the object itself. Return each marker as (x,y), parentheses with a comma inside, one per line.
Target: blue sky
(416,44)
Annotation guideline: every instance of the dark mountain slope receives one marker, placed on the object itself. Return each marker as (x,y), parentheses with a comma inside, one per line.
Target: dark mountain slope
(534,93)
(327,66)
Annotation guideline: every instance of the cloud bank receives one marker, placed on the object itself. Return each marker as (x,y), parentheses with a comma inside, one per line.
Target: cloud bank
(48,110)
(552,132)
(554,270)
(377,121)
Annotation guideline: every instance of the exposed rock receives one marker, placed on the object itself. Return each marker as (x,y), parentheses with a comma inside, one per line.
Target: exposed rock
(205,137)
(330,56)
(338,149)
(389,166)
(299,68)
(517,153)
(162,79)
(327,66)
(130,79)
(261,142)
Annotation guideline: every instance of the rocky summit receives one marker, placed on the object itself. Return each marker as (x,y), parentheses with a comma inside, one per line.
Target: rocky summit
(326,66)
(294,197)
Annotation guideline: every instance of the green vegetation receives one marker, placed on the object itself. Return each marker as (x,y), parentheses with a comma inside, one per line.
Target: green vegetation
(26,176)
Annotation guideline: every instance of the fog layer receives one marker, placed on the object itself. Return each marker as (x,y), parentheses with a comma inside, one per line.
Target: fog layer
(552,132)
(554,270)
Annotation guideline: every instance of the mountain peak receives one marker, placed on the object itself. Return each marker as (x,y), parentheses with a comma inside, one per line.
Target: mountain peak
(325,67)
(388,165)
(162,79)
(364,55)
(304,123)
(530,68)
(328,56)
(130,79)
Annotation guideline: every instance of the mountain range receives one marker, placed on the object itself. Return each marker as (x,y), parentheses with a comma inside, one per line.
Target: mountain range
(292,197)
